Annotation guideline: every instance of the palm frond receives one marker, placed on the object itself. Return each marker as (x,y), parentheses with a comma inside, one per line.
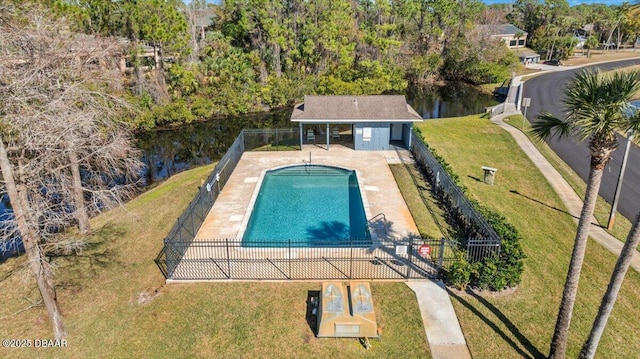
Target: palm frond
(634,9)
(634,124)
(595,101)
(623,85)
(548,126)
(604,123)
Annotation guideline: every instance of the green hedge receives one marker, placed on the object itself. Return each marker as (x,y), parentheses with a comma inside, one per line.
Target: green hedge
(505,269)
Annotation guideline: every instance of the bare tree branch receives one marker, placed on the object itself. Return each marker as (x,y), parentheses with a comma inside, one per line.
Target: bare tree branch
(70,155)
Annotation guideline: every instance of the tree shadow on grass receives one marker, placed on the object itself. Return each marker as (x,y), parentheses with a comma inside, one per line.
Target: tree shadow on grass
(542,203)
(549,206)
(97,254)
(11,267)
(524,348)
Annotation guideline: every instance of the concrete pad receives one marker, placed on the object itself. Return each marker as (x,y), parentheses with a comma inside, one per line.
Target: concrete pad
(450,351)
(440,322)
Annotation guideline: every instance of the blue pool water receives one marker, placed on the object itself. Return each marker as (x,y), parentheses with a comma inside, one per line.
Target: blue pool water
(310,206)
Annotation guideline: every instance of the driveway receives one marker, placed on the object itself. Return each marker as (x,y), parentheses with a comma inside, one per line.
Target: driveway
(546,93)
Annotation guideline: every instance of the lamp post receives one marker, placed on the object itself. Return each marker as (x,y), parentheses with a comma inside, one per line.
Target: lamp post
(616,196)
(634,111)
(526,102)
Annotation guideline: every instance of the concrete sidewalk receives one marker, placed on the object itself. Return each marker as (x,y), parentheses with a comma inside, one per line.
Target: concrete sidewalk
(441,325)
(568,196)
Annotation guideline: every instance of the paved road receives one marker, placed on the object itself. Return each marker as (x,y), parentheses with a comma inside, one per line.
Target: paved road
(546,93)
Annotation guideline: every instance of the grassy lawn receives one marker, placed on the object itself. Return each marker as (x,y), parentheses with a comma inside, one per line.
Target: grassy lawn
(520,323)
(414,189)
(116,305)
(599,56)
(622,225)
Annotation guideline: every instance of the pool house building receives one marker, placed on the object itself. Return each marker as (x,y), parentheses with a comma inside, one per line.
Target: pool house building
(363,122)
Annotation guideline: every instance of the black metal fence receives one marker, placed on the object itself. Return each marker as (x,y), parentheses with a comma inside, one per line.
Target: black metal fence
(187,225)
(191,219)
(351,259)
(182,258)
(480,239)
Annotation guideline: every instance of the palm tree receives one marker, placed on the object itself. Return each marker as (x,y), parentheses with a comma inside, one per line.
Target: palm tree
(594,104)
(589,44)
(518,35)
(617,277)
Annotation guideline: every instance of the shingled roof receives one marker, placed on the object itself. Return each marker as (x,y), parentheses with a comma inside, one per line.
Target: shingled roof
(502,29)
(387,108)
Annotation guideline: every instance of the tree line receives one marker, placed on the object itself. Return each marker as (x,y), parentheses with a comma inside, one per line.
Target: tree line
(556,30)
(65,154)
(242,56)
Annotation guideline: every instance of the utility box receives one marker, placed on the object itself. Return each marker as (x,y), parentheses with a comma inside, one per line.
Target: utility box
(489,174)
(346,311)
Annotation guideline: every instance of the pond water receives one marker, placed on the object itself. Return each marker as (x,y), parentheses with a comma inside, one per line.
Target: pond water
(11,248)
(166,152)
(449,101)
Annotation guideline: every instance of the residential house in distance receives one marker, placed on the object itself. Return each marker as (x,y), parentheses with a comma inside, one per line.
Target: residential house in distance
(508,34)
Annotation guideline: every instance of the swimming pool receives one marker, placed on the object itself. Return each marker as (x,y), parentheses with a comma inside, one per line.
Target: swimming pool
(309,205)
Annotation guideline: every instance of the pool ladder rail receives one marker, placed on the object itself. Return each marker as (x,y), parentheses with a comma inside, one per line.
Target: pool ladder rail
(374,222)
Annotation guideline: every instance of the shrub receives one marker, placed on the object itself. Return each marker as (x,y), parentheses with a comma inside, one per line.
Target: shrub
(201,108)
(170,114)
(484,274)
(510,261)
(458,274)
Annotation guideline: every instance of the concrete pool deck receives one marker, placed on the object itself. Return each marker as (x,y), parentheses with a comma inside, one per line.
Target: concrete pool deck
(229,215)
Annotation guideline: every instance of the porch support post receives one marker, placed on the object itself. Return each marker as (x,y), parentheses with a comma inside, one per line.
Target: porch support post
(301,131)
(327,136)
(410,134)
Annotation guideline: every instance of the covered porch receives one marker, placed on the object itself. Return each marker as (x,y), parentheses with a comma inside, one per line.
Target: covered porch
(326,134)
